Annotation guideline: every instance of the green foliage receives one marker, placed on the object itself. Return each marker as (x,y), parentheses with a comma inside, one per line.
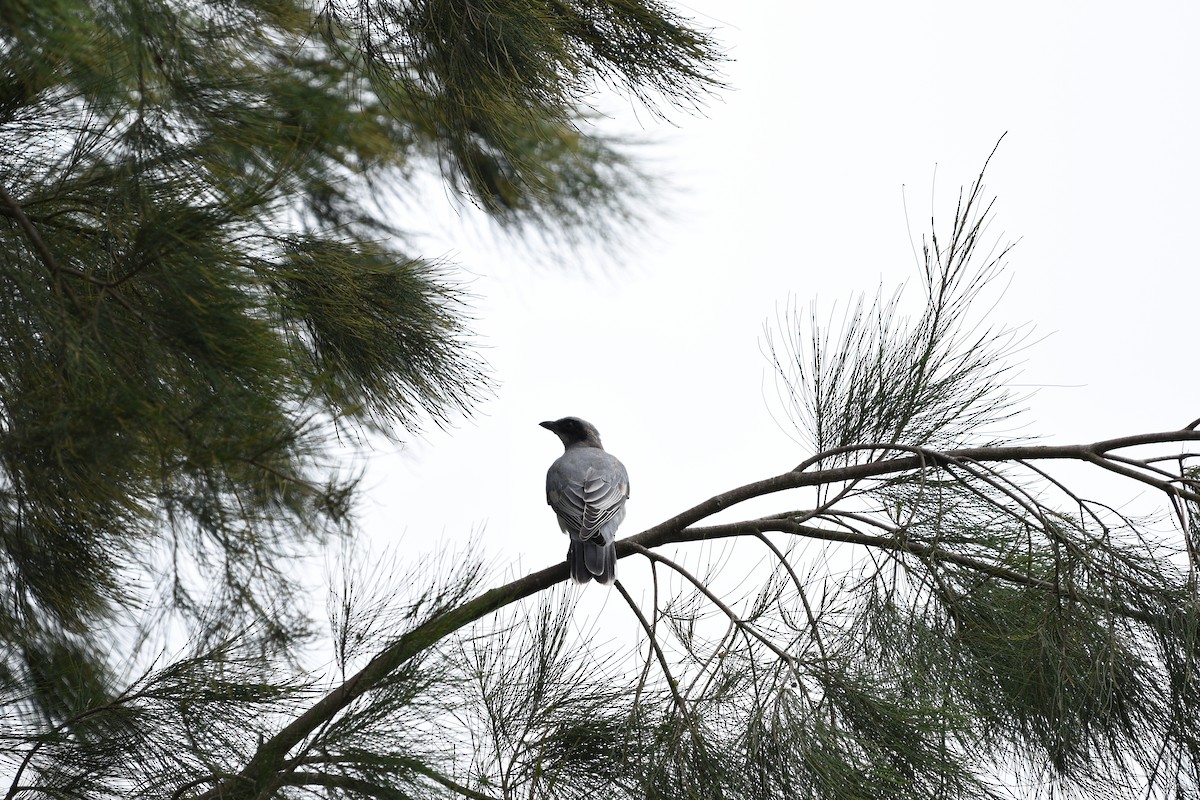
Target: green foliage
(203,277)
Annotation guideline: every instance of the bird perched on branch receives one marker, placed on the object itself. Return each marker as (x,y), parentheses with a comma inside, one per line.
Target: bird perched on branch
(587,489)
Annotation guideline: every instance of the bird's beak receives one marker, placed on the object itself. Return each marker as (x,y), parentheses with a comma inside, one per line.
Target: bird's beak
(547,425)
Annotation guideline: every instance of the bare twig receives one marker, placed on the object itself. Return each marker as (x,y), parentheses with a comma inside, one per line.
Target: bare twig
(662,659)
(784,656)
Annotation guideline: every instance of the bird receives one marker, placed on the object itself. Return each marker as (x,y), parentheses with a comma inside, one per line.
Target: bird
(587,487)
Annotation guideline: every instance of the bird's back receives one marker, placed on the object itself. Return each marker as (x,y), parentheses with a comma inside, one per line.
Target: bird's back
(587,488)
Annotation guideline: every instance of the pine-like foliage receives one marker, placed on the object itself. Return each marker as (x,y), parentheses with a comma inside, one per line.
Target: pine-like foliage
(202,277)
(201,281)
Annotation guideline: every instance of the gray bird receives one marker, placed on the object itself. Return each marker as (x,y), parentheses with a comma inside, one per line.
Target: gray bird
(587,489)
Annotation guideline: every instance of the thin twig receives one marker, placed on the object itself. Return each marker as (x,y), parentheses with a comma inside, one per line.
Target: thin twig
(787,658)
(662,659)
(808,611)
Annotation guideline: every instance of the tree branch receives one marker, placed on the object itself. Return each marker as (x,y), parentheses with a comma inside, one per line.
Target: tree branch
(31,232)
(801,478)
(756,527)
(262,771)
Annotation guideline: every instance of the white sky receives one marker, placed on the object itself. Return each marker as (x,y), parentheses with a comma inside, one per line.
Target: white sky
(790,189)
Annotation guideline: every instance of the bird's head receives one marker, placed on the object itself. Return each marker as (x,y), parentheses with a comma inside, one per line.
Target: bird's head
(574,431)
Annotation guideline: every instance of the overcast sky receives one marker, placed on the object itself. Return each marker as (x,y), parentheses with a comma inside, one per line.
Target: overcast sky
(791,187)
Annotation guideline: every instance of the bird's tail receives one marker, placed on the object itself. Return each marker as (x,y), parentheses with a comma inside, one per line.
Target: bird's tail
(590,560)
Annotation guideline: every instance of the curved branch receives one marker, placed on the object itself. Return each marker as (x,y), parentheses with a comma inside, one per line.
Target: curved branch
(261,773)
(654,627)
(1119,466)
(754,527)
(801,478)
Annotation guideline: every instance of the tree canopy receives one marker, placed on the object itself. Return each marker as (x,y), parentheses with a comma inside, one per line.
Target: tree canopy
(204,276)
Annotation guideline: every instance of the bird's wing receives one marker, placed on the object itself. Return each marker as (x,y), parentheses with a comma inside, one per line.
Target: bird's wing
(588,496)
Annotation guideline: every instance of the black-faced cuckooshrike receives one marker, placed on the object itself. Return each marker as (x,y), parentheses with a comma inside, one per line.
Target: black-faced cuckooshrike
(587,489)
